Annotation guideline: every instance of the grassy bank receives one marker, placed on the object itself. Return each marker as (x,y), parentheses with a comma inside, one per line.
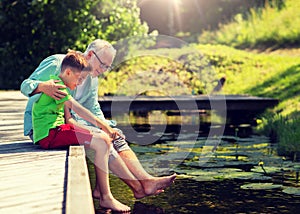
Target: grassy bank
(277,73)
(270,27)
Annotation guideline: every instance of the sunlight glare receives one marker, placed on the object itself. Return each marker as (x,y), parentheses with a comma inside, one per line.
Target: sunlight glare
(176,2)
(176,11)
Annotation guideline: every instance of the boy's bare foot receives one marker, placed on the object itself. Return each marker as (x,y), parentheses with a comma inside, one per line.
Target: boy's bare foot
(114,205)
(137,194)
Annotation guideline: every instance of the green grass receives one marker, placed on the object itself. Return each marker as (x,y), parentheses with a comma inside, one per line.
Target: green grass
(258,74)
(267,28)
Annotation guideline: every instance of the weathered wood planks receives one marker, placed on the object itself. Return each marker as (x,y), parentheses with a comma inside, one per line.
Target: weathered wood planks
(79,192)
(33,180)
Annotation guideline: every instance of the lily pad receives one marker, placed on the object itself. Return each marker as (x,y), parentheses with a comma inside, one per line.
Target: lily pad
(261,186)
(242,176)
(292,190)
(222,174)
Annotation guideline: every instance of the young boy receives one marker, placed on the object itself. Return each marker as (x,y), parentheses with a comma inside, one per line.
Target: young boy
(50,130)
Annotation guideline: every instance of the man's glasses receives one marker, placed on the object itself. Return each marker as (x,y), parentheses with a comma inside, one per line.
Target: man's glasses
(102,65)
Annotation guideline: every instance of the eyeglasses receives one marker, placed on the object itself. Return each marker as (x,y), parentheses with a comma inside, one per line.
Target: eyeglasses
(102,65)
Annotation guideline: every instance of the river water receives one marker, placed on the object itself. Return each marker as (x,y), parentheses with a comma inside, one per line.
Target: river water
(234,172)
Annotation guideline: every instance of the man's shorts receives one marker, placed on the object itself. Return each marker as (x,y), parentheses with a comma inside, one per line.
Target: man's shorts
(64,136)
(119,144)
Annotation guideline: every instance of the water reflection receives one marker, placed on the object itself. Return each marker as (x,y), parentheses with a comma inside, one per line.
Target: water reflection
(212,176)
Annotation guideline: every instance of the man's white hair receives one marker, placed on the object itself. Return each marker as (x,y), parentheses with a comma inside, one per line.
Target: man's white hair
(99,45)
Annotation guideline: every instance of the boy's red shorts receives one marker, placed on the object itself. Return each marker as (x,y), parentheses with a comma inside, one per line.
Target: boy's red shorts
(66,135)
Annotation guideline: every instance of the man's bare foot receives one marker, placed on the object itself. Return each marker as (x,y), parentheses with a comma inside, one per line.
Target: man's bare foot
(153,186)
(157,185)
(113,204)
(140,195)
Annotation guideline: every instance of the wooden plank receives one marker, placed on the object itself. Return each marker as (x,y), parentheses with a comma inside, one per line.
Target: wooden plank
(12,107)
(32,180)
(79,194)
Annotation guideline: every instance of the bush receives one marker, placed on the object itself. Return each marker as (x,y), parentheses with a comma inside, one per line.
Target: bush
(33,30)
(285,131)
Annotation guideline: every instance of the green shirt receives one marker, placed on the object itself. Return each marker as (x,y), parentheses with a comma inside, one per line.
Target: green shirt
(48,113)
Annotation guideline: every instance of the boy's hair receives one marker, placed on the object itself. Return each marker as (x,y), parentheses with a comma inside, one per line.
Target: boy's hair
(74,60)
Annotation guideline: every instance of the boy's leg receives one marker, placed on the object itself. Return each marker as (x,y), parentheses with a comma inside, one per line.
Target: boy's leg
(151,185)
(66,135)
(100,143)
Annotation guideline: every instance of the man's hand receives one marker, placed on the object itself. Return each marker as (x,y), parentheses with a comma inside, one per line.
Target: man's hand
(112,133)
(51,89)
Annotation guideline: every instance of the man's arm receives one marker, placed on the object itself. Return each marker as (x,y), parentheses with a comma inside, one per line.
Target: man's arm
(89,99)
(39,81)
(51,89)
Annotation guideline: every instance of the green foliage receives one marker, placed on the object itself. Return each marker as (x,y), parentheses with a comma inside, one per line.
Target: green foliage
(161,72)
(120,19)
(285,131)
(33,30)
(264,75)
(262,28)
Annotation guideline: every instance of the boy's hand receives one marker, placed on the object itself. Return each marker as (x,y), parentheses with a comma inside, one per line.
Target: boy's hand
(52,89)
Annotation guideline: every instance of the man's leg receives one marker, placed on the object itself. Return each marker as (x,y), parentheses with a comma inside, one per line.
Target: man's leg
(151,184)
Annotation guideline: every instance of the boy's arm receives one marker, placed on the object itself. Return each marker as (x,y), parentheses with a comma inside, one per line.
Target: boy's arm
(87,115)
(70,120)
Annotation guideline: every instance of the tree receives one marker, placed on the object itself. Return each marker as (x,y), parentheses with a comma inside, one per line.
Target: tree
(32,30)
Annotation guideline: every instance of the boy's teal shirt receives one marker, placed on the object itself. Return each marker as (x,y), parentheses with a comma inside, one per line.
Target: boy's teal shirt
(52,66)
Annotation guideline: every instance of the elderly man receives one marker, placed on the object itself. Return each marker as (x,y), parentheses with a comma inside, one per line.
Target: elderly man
(99,55)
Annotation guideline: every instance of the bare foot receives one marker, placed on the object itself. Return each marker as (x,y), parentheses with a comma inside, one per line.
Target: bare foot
(157,185)
(153,186)
(114,205)
(96,194)
(140,195)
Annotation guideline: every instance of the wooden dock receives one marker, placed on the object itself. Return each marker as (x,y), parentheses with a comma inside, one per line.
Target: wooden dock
(34,180)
